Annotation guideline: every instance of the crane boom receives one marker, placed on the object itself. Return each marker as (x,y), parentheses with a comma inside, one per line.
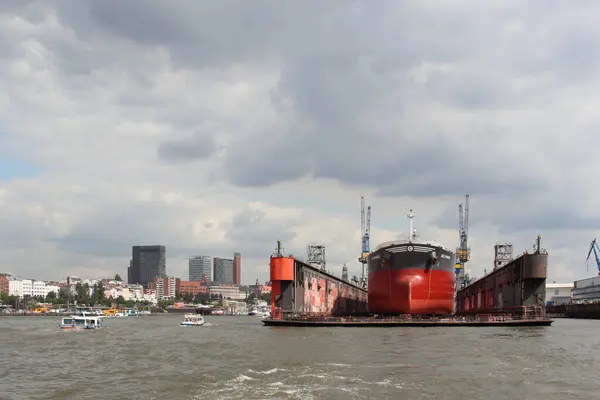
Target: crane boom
(461,224)
(594,247)
(368,226)
(362,215)
(466,227)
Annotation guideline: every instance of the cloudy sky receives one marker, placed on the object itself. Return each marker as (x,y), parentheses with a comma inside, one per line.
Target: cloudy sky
(212,127)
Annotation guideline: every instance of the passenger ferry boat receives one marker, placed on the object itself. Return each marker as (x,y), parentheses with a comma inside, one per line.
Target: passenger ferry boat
(192,320)
(80,322)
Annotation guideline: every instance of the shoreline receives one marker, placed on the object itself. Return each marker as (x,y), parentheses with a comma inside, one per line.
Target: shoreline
(69,314)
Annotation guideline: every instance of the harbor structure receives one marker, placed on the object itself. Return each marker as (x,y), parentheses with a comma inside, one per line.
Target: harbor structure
(518,283)
(299,288)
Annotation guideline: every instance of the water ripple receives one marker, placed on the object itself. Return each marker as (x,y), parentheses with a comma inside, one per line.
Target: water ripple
(238,358)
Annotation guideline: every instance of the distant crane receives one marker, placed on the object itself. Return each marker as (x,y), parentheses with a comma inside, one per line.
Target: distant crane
(594,246)
(463,252)
(365,230)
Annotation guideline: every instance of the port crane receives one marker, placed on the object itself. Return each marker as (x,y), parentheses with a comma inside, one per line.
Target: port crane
(365,230)
(463,252)
(594,247)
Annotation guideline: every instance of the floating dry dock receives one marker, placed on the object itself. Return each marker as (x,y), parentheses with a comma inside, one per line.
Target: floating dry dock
(524,316)
(304,296)
(391,323)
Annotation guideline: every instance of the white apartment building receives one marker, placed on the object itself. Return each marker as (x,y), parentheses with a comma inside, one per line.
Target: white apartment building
(15,287)
(150,297)
(130,292)
(135,292)
(28,287)
(227,291)
(52,288)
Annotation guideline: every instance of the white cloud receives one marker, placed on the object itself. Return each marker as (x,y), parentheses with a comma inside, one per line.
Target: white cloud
(212,128)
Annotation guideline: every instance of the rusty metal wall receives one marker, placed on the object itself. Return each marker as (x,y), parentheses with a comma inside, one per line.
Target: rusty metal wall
(319,292)
(522,282)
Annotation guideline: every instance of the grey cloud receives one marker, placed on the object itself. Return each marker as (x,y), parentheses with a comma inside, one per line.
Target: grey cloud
(255,235)
(342,80)
(111,230)
(199,146)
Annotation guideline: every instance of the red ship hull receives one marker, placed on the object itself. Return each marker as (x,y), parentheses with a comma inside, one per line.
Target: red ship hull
(411,291)
(411,278)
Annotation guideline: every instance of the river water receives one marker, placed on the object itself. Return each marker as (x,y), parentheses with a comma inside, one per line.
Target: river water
(237,358)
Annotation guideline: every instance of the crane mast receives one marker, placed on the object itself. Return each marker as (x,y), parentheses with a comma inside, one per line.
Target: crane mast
(365,230)
(463,252)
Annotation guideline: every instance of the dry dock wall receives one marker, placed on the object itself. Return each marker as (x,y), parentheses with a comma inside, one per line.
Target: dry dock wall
(300,288)
(576,311)
(522,282)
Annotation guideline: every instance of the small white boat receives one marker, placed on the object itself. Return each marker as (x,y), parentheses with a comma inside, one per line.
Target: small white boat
(80,322)
(254,312)
(192,320)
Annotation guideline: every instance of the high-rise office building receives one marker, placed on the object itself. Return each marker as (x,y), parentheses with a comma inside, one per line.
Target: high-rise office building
(223,270)
(130,272)
(237,268)
(147,263)
(200,266)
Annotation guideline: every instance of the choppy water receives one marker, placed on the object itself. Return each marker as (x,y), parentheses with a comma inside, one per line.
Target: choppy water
(238,358)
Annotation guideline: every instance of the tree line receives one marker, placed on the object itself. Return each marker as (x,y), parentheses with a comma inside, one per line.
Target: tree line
(82,296)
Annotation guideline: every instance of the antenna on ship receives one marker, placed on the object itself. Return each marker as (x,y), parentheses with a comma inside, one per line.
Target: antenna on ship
(412,233)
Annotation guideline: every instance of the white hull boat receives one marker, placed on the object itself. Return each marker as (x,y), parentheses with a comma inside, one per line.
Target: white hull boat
(193,320)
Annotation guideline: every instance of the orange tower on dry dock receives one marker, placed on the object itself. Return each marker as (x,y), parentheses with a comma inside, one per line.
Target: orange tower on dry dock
(282,279)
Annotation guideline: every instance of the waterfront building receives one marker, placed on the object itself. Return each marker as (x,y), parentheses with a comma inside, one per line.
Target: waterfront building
(559,293)
(147,263)
(200,267)
(223,270)
(165,287)
(28,287)
(237,268)
(232,292)
(586,290)
(192,288)
(4,287)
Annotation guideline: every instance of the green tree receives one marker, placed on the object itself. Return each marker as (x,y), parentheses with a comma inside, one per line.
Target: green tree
(82,293)
(50,297)
(164,304)
(250,299)
(118,278)
(202,298)
(4,298)
(97,293)
(100,289)
(266,297)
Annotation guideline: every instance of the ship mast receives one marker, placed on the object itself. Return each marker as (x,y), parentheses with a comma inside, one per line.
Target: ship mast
(411,233)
